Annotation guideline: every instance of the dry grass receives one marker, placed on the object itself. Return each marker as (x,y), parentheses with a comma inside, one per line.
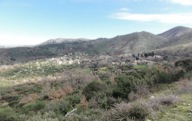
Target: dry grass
(142,91)
(57,94)
(184,86)
(30,98)
(83,103)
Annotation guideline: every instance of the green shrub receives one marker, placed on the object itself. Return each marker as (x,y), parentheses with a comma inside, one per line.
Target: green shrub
(11,99)
(74,99)
(93,88)
(103,101)
(64,105)
(138,113)
(36,106)
(125,84)
(185,64)
(188,75)
(104,76)
(163,77)
(68,104)
(59,107)
(7,114)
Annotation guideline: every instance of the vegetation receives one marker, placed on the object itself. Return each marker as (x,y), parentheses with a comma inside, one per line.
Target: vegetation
(48,91)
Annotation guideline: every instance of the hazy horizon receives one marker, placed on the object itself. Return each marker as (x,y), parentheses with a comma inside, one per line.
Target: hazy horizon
(31,22)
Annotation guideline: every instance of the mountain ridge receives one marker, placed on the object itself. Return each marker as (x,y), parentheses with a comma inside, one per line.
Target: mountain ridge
(175,32)
(62,40)
(122,44)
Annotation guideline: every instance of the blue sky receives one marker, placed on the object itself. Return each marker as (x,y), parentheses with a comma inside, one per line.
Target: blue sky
(30,22)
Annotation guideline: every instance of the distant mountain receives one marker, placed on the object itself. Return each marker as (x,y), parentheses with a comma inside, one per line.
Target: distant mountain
(174,41)
(176,36)
(175,32)
(2,46)
(183,39)
(62,40)
(130,43)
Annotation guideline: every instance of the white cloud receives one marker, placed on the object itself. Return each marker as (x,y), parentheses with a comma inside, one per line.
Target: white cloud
(182,2)
(124,9)
(178,18)
(15,39)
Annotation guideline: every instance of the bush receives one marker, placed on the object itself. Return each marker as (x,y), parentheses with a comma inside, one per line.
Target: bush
(93,88)
(102,100)
(59,107)
(7,114)
(125,84)
(185,64)
(141,91)
(138,113)
(34,106)
(64,105)
(12,99)
(163,77)
(127,112)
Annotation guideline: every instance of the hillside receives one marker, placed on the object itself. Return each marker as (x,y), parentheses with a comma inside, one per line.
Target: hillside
(24,54)
(179,40)
(175,32)
(123,44)
(130,43)
(183,39)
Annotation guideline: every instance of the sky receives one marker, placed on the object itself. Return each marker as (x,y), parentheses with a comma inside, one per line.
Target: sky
(30,22)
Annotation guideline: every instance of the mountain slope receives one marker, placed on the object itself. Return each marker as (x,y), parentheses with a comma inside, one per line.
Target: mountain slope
(177,36)
(175,32)
(24,54)
(184,39)
(130,43)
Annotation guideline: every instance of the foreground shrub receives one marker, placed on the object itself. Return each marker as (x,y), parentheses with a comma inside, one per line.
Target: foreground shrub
(63,105)
(33,106)
(167,77)
(93,88)
(138,112)
(141,91)
(12,99)
(127,112)
(7,114)
(188,75)
(186,64)
(125,84)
